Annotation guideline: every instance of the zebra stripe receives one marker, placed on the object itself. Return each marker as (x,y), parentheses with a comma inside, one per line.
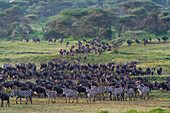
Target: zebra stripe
(22,94)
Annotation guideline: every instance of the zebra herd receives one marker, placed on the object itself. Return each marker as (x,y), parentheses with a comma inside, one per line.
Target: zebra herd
(95,93)
(98,93)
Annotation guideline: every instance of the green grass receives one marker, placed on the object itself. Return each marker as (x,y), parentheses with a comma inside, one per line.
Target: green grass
(153,78)
(158,110)
(153,54)
(42,106)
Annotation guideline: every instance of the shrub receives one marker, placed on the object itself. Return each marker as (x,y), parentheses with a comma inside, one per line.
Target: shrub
(103,112)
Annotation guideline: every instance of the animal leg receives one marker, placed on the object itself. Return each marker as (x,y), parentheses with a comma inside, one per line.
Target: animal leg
(73,100)
(66,99)
(148,95)
(77,99)
(30,99)
(27,100)
(69,99)
(16,100)
(20,100)
(54,99)
(2,103)
(48,99)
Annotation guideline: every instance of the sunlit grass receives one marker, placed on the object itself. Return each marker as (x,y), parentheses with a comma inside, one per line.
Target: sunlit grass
(154,54)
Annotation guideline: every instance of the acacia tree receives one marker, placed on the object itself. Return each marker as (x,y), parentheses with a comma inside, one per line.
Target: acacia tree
(98,21)
(34,18)
(117,43)
(147,14)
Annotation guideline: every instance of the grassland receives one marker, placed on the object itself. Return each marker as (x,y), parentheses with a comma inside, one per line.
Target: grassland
(153,54)
(42,106)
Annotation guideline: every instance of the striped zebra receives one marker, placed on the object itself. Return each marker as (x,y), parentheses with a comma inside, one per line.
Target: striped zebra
(94,92)
(70,93)
(51,95)
(22,94)
(129,92)
(118,92)
(143,90)
(100,92)
(91,92)
(110,90)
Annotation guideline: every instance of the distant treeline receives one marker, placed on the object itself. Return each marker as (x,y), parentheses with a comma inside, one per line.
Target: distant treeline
(82,18)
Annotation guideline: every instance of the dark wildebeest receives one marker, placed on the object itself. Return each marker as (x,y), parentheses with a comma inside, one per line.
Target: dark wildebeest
(164,38)
(137,41)
(3,97)
(129,42)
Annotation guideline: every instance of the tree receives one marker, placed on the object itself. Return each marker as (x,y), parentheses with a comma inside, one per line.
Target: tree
(125,21)
(117,43)
(98,21)
(14,13)
(146,12)
(34,18)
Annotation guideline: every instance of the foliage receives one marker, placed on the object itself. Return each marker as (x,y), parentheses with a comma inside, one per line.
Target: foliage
(85,18)
(158,110)
(52,33)
(86,22)
(117,43)
(103,112)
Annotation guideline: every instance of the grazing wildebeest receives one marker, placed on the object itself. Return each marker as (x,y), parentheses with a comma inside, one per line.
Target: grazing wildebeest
(51,95)
(143,90)
(129,42)
(80,90)
(159,71)
(137,41)
(22,94)
(3,97)
(70,93)
(67,43)
(59,91)
(164,38)
(158,39)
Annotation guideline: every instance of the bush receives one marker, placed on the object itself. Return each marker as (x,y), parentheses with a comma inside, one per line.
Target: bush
(103,112)
(158,110)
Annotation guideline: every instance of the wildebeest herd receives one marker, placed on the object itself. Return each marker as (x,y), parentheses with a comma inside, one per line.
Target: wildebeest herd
(61,78)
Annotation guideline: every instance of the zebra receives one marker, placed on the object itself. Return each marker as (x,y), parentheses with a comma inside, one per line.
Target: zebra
(22,94)
(91,92)
(95,91)
(143,90)
(51,94)
(110,90)
(118,92)
(129,92)
(100,92)
(70,93)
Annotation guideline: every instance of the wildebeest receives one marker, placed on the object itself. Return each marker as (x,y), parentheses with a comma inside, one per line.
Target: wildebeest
(3,97)
(137,41)
(165,38)
(129,42)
